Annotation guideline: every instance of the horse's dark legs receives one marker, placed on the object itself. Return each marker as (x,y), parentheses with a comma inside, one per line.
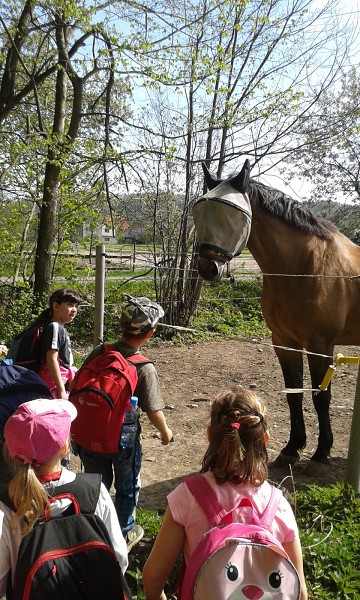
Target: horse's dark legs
(292,367)
(318,366)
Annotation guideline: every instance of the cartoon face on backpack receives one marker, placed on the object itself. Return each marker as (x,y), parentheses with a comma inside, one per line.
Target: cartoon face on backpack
(247,571)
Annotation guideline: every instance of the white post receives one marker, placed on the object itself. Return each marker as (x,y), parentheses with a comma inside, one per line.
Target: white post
(352,476)
(99,294)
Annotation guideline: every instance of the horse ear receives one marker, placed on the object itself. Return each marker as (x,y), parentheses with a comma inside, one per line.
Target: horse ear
(241,180)
(211,181)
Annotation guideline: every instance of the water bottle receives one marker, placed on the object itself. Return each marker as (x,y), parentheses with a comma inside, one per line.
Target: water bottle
(130,426)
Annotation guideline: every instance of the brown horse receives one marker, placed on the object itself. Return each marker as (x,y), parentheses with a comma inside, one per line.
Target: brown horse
(311,291)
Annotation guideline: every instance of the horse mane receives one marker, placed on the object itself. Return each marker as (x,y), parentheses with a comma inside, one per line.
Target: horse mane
(288,210)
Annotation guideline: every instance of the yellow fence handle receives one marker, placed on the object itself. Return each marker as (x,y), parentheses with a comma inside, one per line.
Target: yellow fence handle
(327,378)
(340,359)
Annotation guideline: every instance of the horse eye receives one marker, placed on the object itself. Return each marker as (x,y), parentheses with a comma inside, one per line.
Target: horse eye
(232,572)
(275,579)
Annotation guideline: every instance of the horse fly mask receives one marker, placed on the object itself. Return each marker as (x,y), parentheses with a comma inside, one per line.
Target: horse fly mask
(222,219)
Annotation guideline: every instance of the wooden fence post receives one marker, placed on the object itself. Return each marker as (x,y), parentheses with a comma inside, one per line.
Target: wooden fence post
(99,295)
(134,256)
(352,476)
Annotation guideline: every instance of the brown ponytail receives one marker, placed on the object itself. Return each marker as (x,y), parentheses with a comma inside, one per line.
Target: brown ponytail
(237,450)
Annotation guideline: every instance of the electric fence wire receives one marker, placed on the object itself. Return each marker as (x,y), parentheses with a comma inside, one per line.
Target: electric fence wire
(245,299)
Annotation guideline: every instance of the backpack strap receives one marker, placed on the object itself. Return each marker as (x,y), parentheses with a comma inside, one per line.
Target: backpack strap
(209,503)
(269,513)
(138,359)
(5,498)
(85,488)
(133,358)
(206,498)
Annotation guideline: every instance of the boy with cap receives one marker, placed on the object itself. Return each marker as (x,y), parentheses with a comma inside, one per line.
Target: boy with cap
(138,322)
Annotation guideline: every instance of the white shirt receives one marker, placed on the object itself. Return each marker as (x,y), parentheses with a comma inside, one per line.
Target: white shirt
(10,536)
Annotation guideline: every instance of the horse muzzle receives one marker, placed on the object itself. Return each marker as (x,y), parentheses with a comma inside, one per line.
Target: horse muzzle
(211,264)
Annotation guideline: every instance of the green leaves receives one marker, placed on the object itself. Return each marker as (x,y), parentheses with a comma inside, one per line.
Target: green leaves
(329,523)
(230,310)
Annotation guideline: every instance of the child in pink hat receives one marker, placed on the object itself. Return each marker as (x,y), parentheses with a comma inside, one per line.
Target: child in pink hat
(37,438)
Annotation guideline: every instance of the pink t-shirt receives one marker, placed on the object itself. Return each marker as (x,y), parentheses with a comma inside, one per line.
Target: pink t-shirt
(186,511)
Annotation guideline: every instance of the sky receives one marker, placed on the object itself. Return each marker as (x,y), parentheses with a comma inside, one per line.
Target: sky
(349,10)
(300,188)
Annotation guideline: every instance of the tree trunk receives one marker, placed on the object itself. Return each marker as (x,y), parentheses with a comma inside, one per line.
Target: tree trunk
(46,231)
(55,159)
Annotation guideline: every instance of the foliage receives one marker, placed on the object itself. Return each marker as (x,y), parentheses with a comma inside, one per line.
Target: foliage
(230,309)
(102,102)
(16,312)
(329,523)
(346,217)
(49,86)
(150,521)
(329,153)
(225,310)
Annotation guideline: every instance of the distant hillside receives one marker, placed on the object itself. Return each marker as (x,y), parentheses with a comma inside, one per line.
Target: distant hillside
(346,217)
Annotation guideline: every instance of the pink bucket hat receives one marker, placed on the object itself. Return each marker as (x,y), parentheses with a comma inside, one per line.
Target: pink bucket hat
(38,429)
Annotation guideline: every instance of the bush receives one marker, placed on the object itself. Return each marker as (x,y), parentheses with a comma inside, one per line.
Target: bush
(229,310)
(16,313)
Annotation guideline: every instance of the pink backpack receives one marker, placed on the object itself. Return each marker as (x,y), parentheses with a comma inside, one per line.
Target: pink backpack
(237,561)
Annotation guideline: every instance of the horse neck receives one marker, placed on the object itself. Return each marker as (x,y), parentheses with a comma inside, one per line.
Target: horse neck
(277,247)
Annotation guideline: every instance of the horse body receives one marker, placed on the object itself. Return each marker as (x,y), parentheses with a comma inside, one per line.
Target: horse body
(310,299)
(314,291)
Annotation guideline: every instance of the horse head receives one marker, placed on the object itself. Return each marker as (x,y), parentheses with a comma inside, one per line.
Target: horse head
(222,219)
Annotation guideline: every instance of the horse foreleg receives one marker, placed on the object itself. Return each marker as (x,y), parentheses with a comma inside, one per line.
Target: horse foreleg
(292,368)
(318,366)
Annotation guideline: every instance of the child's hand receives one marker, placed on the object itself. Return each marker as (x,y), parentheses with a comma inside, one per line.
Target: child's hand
(63,394)
(3,350)
(167,437)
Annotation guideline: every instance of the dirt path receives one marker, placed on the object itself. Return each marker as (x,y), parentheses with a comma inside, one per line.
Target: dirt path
(191,376)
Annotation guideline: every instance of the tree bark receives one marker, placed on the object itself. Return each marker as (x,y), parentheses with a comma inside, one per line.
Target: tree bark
(59,146)
(55,158)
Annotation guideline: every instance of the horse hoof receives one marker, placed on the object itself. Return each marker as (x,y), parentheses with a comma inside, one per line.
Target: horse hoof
(283,461)
(316,469)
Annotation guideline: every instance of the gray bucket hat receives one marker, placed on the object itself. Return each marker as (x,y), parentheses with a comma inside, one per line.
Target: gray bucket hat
(140,315)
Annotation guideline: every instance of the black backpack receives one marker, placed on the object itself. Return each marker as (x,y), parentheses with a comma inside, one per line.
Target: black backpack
(70,557)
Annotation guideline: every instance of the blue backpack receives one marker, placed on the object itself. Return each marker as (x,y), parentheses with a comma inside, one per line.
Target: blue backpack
(25,350)
(18,385)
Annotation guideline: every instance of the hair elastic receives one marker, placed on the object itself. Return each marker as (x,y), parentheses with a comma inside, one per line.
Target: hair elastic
(24,460)
(261,417)
(235,425)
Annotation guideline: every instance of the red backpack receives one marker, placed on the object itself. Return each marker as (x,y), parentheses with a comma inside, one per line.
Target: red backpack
(101,394)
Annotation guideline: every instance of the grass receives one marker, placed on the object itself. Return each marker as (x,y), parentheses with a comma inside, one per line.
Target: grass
(329,521)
